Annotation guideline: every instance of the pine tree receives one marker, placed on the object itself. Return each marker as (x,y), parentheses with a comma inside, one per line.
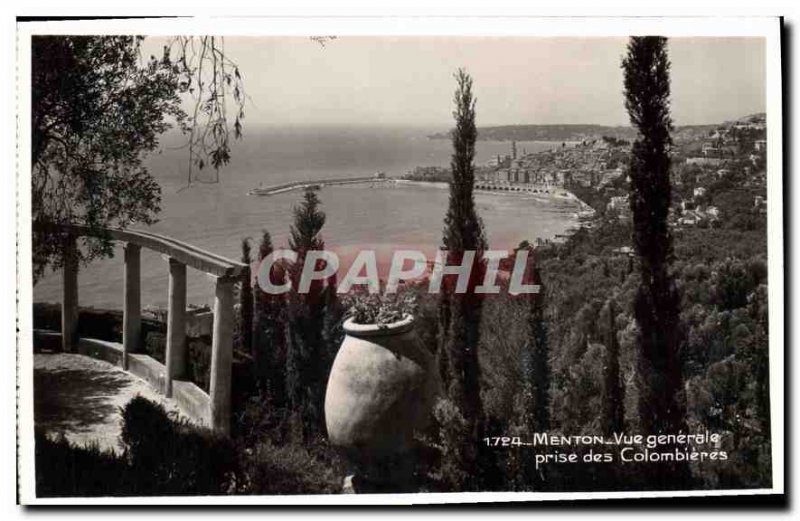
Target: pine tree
(613,403)
(460,314)
(539,360)
(647,88)
(308,222)
(246,300)
(269,345)
(306,351)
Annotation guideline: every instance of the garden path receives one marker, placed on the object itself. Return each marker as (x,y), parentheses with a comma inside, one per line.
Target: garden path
(82,398)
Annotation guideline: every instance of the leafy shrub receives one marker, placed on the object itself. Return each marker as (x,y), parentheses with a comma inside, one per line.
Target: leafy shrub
(244,383)
(178,457)
(454,444)
(199,361)
(289,469)
(380,309)
(64,470)
(155,345)
(732,284)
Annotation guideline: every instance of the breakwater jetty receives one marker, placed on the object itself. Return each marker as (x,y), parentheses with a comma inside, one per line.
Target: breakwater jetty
(378,177)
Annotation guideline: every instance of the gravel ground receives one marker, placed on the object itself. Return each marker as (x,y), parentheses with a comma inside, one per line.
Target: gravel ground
(82,398)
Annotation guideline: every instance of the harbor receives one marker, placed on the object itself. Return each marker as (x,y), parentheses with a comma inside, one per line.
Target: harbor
(378,177)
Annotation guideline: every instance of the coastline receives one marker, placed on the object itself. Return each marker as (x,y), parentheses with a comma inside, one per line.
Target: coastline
(557,194)
(583,217)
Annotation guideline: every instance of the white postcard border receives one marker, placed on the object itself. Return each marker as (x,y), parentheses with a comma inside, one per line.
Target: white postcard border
(767,27)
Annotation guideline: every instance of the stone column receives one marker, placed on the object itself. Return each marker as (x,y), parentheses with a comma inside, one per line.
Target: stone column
(222,356)
(132,312)
(69,302)
(176,324)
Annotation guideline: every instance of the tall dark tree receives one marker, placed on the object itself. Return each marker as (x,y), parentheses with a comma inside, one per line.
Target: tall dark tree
(269,337)
(460,314)
(306,351)
(613,402)
(538,362)
(98,109)
(308,222)
(656,308)
(537,373)
(333,321)
(246,300)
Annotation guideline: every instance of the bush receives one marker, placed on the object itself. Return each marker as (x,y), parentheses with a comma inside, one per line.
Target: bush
(455,446)
(199,361)
(732,284)
(64,470)
(175,456)
(290,469)
(155,346)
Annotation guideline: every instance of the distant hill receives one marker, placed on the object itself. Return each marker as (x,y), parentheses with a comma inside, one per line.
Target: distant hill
(546,132)
(566,132)
(758,116)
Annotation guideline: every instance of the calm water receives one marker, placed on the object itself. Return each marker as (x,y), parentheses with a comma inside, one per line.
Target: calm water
(218,216)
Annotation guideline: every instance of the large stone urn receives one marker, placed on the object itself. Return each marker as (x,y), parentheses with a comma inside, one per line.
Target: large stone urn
(381,388)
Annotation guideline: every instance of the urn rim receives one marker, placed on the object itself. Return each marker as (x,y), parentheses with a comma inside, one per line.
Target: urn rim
(370,330)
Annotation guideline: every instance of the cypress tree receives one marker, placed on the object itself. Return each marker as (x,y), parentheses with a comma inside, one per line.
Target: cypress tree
(460,314)
(306,353)
(265,246)
(656,306)
(246,300)
(613,403)
(537,376)
(333,320)
(269,351)
(539,358)
(308,222)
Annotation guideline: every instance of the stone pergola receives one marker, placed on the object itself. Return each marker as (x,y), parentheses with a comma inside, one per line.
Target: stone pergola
(212,408)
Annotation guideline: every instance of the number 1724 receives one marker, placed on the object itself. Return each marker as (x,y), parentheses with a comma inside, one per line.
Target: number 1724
(503,441)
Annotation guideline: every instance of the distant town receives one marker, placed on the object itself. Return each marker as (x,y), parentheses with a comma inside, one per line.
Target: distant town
(704,159)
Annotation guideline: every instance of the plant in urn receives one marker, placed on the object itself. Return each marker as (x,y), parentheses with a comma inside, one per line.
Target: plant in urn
(380,390)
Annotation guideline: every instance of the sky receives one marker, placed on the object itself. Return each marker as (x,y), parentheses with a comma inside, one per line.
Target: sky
(408,81)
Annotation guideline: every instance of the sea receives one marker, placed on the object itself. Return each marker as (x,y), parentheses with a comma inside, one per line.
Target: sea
(217,214)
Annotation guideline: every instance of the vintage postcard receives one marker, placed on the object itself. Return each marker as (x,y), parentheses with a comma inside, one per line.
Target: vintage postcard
(399,261)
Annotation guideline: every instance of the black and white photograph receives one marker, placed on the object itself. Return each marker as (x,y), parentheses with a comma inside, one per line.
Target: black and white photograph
(379,262)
